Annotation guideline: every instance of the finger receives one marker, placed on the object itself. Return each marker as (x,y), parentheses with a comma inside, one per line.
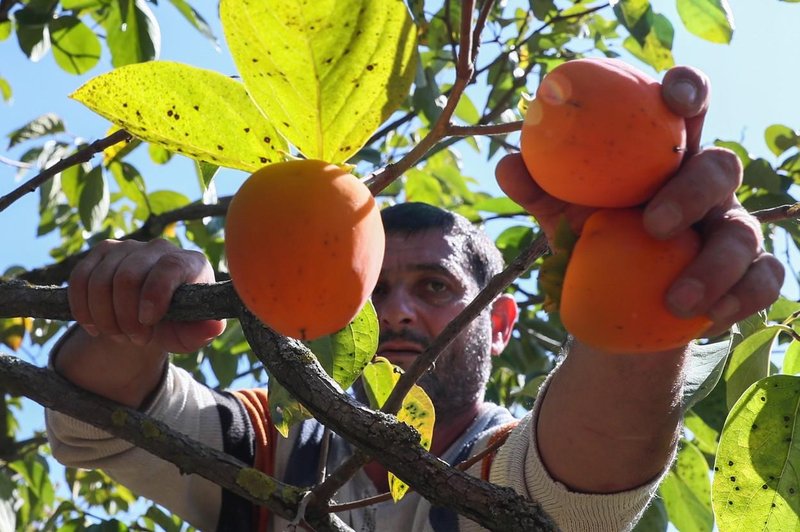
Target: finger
(704,183)
(515,181)
(169,272)
(687,92)
(100,287)
(758,289)
(78,286)
(189,336)
(129,278)
(731,245)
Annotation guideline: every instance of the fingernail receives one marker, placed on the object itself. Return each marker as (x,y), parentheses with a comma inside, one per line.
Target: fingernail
(684,91)
(662,219)
(684,296)
(725,308)
(147,313)
(120,338)
(91,330)
(138,340)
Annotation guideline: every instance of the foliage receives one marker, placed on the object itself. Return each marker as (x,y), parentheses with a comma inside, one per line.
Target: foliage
(399,89)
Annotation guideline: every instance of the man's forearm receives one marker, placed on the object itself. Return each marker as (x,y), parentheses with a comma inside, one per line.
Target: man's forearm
(609,422)
(116,369)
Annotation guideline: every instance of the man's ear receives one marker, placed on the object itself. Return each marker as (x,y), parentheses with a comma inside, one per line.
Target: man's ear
(504,314)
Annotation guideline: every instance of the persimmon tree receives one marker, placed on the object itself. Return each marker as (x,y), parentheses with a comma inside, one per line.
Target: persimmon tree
(397,90)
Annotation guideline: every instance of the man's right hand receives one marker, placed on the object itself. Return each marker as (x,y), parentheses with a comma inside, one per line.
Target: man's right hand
(119,294)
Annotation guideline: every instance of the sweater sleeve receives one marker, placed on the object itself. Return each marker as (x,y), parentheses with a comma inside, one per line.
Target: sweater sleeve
(519,466)
(184,405)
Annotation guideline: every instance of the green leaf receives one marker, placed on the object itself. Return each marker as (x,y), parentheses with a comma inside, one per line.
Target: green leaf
(756,471)
(654,518)
(158,154)
(285,410)
(47,124)
(5,30)
(504,206)
(162,201)
(132,32)
(780,138)
(5,89)
(326,73)
(711,20)
(737,148)
(33,36)
(76,48)
(199,113)
(686,491)
(656,47)
(703,370)
(130,183)
(345,354)
(421,186)
(791,360)
(206,173)
(417,411)
(95,200)
(466,110)
(749,362)
(196,20)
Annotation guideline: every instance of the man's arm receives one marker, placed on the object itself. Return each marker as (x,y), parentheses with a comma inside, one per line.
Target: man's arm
(608,422)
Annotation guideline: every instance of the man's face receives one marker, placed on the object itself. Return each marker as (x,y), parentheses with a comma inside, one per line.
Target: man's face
(425,282)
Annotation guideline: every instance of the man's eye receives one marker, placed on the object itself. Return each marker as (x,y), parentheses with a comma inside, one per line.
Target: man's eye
(436,286)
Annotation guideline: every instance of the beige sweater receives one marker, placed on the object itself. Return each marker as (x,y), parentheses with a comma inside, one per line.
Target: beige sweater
(189,407)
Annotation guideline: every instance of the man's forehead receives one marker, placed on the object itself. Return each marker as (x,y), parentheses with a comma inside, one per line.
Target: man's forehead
(430,249)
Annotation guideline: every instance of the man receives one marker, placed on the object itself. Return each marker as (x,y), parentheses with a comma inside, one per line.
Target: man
(599,439)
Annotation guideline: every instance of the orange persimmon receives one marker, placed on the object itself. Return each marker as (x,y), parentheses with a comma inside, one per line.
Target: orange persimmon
(616,281)
(304,242)
(598,133)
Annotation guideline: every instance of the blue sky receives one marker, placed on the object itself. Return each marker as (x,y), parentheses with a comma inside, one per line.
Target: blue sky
(754,81)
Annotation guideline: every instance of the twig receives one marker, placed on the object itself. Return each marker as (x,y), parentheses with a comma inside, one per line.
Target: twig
(462,466)
(776,214)
(379,180)
(81,156)
(15,164)
(493,129)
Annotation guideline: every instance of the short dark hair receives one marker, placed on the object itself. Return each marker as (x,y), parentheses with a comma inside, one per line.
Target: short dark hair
(485,260)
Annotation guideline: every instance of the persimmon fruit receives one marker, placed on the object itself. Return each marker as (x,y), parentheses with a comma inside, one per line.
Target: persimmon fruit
(304,242)
(615,285)
(598,133)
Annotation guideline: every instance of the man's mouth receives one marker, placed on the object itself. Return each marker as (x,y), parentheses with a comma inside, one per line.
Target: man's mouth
(390,349)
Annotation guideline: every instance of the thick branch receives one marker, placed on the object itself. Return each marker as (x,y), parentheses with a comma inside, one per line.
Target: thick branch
(191,302)
(81,156)
(51,391)
(393,444)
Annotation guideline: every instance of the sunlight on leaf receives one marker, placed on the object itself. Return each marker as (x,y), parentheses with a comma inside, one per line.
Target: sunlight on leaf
(749,362)
(199,113)
(417,411)
(47,124)
(13,330)
(327,73)
(76,47)
(780,138)
(756,481)
(345,354)
(5,90)
(686,491)
(711,20)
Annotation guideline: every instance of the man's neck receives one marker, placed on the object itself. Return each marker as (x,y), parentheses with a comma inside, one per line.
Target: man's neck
(446,431)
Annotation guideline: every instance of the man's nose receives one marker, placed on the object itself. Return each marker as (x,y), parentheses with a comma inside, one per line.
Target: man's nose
(396,310)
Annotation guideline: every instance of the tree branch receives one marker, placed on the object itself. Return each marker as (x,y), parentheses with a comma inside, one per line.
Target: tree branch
(394,444)
(52,391)
(81,156)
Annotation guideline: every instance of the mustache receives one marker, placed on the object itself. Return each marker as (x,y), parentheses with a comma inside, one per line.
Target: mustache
(404,336)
